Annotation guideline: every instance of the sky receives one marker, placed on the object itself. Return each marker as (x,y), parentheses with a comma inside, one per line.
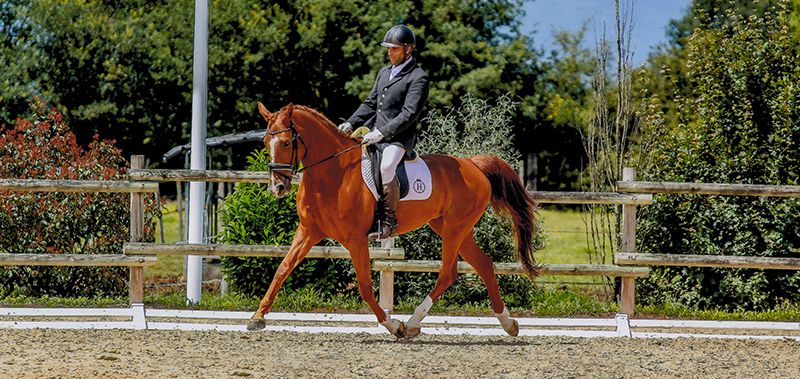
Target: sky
(649,29)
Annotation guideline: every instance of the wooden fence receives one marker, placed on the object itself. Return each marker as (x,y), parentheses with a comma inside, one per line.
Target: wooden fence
(387,258)
(627,255)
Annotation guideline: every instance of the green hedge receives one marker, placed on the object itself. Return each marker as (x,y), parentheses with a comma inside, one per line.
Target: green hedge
(741,125)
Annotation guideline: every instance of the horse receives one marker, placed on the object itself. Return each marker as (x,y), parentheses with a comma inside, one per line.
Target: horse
(334,202)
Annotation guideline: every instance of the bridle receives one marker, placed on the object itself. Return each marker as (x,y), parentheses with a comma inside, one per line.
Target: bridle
(294,164)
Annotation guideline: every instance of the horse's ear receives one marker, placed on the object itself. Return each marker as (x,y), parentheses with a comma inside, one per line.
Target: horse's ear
(289,109)
(264,112)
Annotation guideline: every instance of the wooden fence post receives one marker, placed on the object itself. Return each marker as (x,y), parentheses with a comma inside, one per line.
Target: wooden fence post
(136,284)
(628,245)
(386,295)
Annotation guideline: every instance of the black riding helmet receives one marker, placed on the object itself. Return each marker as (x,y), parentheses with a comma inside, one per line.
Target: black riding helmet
(399,35)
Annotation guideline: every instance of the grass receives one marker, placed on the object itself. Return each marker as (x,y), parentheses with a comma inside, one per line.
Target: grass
(565,237)
(167,266)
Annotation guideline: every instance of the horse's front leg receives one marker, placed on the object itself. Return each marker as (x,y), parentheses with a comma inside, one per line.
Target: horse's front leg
(304,239)
(359,252)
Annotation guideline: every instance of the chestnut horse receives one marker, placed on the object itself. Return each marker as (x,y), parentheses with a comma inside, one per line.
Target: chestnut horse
(333,202)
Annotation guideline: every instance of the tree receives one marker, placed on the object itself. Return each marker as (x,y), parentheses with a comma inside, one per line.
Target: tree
(123,69)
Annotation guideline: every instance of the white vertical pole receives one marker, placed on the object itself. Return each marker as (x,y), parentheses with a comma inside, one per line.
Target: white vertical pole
(194,264)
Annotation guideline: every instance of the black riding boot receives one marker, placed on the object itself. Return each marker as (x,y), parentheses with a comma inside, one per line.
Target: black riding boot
(390,199)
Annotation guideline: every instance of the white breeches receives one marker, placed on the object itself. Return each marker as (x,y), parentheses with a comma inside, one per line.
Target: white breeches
(392,155)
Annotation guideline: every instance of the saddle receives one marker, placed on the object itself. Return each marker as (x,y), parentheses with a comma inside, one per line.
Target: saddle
(375,156)
(412,173)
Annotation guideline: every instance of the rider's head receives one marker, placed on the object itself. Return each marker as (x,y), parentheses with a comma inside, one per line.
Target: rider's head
(399,41)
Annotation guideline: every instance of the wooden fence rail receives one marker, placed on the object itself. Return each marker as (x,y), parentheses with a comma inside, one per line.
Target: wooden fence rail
(721,261)
(709,189)
(51,185)
(513,268)
(264,251)
(199,176)
(626,251)
(83,260)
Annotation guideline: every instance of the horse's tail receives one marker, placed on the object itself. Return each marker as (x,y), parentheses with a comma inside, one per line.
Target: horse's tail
(510,199)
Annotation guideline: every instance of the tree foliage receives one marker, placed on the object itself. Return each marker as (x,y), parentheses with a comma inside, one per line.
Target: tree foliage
(123,69)
(739,122)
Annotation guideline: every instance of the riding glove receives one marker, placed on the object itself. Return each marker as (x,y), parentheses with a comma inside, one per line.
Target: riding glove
(372,137)
(345,128)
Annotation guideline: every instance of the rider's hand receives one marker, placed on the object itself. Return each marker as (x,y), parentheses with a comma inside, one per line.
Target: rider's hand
(372,137)
(345,128)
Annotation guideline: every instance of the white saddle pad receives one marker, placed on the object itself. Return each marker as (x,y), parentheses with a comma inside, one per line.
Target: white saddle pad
(419,178)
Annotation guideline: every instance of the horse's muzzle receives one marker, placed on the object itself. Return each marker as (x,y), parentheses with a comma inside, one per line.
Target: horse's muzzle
(280,187)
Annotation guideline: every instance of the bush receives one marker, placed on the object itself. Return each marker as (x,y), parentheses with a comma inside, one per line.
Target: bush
(253,216)
(43,147)
(741,125)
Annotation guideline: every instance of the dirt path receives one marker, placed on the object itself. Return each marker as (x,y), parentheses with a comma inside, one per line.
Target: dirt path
(169,354)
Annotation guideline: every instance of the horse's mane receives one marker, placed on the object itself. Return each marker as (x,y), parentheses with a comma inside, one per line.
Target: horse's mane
(317,114)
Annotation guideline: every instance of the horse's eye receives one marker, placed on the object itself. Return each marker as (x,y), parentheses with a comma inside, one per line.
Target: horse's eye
(286,143)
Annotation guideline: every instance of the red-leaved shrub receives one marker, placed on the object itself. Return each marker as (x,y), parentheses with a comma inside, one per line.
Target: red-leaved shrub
(44,147)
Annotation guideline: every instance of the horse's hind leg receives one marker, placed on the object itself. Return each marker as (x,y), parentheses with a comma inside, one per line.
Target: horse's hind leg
(473,255)
(452,237)
(304,239)
(359,253)
(485,268)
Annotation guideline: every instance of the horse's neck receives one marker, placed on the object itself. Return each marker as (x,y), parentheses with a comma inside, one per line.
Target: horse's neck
(322,142)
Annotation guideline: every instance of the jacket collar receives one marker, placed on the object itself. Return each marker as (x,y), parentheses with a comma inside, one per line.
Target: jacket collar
(408,67)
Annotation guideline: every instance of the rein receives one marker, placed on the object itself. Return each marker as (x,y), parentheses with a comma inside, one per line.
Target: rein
(295,162)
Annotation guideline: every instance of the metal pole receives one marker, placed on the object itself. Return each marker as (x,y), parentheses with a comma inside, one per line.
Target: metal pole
(194,264)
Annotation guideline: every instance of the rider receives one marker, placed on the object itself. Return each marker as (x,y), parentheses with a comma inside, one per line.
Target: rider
(391,112)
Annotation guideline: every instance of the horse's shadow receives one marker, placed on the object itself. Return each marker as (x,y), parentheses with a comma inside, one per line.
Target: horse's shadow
(492,342)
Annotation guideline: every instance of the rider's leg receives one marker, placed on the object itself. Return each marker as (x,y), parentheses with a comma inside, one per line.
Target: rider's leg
(392,155)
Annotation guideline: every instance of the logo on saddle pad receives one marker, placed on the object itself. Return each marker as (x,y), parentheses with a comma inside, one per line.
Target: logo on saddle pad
(417,179)
(419,186)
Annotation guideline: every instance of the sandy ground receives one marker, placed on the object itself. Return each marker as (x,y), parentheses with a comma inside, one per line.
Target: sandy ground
(177,354)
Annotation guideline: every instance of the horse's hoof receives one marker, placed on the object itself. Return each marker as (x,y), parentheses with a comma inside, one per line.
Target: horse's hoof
(256,324)
(397,328)
(401,330)
(412,331)
(513,329)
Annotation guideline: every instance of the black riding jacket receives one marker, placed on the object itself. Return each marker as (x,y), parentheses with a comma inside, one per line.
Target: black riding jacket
(394,107)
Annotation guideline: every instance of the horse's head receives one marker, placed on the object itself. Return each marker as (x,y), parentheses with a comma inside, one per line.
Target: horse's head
(286,148)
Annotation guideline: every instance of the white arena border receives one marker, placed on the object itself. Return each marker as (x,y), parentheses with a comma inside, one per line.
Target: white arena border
(436,325)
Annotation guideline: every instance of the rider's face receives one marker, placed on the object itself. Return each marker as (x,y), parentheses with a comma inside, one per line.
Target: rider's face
(396,54)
